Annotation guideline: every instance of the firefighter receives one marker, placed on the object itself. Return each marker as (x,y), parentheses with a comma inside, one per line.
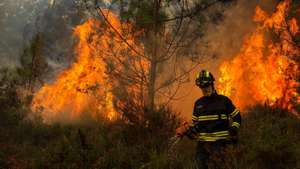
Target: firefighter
(215,124)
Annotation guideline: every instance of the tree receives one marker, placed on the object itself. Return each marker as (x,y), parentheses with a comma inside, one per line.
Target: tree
(169,33)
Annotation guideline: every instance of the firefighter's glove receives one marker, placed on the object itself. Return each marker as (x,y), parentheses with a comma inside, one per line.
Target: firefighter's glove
(234,134)
(191,133)
(180,131)
(233,131)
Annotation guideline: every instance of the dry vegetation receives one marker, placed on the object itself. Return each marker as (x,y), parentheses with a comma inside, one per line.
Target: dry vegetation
(269,139)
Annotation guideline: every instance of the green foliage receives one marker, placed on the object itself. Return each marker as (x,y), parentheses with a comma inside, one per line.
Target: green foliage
(9,102)
(33,63)
(141,12)
(13,82)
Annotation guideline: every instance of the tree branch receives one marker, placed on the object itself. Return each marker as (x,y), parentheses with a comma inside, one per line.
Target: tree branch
(179,76)
(193,13)
(100,12)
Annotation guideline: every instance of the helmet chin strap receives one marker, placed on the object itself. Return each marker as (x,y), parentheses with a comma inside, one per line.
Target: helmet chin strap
(211,93)
(213,90)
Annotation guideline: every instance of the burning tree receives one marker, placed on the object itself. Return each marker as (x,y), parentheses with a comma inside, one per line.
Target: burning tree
(127,57)
(267,68)
(123,62)
(168,33)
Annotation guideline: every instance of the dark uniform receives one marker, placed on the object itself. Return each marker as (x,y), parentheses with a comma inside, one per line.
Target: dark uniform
(215,124)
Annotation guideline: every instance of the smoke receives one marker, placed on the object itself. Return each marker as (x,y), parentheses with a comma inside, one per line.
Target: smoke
(222,40)
(22,20)
(15,17)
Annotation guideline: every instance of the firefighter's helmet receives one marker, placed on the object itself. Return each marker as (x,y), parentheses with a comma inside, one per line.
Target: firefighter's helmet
(204,79)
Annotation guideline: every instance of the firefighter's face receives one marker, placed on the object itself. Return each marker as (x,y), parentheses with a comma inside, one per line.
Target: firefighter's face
(207,91)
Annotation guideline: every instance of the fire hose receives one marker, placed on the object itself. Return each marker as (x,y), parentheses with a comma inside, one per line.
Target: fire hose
(171,150)
(180,132)
(183,131)
(172,145)
(173,141)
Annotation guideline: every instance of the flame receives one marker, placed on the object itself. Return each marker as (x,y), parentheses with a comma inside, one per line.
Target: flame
(265,70)
(85,88)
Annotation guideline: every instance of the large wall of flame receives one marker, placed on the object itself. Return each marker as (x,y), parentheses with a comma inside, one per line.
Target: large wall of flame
(85,89)
(228,40)
(82,89)
(237,37)
(264,70)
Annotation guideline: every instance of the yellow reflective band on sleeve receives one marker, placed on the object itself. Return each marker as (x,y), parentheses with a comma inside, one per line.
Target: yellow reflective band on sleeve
(224,116)
(209,117)
(234,113)
(195,118)
(236,124)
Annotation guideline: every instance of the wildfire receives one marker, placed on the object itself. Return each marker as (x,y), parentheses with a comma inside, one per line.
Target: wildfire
(84,89)
(265,70)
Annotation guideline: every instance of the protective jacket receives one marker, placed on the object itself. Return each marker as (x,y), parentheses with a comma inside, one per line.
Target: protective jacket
(213,118)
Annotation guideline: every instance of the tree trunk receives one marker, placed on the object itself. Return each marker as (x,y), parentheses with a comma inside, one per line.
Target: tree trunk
(152,79)
(153,65)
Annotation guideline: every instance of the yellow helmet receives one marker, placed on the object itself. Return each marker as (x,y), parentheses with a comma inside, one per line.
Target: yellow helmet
(204,79)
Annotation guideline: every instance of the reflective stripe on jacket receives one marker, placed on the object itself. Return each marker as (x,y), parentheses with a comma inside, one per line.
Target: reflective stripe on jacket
(211,117)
